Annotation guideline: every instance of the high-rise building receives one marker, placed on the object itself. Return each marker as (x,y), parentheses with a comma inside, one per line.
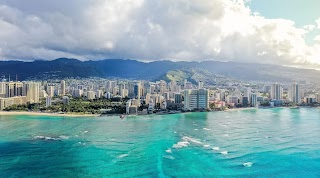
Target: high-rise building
(196,99)
(32,90)
(276,92)
(253,100)
(14,89)
(99,93)
(65,100)
(91,95)
(245,101)
(2,88)
(123,92)
(16,100)
(233,99)
(137,90)
(115,91)
(48,101)
(178,98)
(295,93)
(63,88)
(247,92)
(50,90)
(78,93)
(200,85)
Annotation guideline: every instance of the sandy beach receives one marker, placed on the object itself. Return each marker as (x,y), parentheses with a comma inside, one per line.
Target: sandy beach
(12,113)
(240,109)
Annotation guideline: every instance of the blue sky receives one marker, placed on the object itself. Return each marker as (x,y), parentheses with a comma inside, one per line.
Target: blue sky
(302,12)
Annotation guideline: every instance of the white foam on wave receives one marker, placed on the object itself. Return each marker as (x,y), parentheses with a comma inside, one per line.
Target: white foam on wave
(169,157)
(39,137)
(85,131)
(190,139)
(196,129)
(248,164)
(64,137)
(186,142)
(61,137)
(181,144)
(206,129)
(169,151)
(224,152)
(49,138)
(216,148)
(206,146)
(123,155)
(82,143)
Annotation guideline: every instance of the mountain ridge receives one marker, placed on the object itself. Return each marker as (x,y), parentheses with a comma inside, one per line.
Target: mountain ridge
(133,69)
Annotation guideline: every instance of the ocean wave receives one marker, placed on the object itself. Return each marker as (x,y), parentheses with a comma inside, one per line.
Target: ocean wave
(123,155)
(169,157)
(82,143)
(206,146)
(248,164)
(181,144)
(224,152)
(64,137)
(216,148)
(40,137)
(190,139)
(169,151)
(206,129)
(186,142)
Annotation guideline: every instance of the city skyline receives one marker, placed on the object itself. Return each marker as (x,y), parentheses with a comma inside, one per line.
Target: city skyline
(137,95)
(159,88)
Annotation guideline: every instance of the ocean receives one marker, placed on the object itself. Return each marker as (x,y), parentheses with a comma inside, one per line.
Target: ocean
(279,142)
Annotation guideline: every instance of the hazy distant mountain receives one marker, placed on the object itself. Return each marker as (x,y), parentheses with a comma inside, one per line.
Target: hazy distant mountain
(194,75)
(63,67)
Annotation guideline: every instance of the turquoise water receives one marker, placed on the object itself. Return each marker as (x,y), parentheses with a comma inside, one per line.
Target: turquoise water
(272,142)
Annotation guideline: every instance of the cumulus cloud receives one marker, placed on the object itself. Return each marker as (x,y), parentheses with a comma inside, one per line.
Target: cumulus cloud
(149,30)
(318,23)
(309,27)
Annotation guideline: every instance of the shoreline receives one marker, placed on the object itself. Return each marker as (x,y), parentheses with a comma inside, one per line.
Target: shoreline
(29,113)
(240,109)
(16,113)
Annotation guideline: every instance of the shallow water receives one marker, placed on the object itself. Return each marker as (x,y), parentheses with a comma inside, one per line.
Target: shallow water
(252,143)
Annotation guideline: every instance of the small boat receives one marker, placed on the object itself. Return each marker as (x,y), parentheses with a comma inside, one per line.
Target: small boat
(122,116)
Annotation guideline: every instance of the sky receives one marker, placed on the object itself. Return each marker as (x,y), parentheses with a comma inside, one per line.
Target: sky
(282,32)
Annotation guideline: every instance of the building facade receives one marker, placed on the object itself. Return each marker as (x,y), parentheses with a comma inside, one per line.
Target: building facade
(196,99)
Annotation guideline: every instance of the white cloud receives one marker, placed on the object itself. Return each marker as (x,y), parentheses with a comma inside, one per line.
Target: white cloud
(150,30)
(317,38)
(309,27)
(318,23)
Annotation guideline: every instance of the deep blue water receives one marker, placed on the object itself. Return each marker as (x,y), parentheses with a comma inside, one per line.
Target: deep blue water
(272,142)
